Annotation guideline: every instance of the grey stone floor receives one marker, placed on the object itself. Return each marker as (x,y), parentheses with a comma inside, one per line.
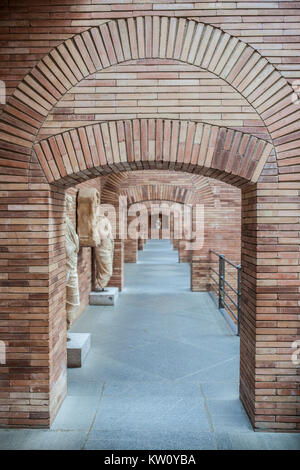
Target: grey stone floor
(162,372)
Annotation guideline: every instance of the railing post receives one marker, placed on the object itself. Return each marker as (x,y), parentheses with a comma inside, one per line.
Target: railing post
(221,280)
(239,296)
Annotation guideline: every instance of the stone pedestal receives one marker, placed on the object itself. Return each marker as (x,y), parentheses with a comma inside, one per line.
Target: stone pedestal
(78,347)
(107,297)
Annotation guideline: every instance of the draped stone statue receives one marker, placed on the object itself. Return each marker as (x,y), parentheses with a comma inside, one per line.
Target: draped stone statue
(87,216)
(104,253)
(72,248)
(158,224)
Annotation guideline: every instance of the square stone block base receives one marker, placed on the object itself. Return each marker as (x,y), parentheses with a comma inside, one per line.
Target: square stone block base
(107,297)
(78,347)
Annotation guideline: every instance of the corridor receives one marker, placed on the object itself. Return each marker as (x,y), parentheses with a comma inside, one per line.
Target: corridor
(162,372)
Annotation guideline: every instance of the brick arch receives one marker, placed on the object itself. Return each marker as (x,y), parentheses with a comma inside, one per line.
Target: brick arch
(149,37)
(121,183)
(115,146)
(151,192)
(158,192)
(202,187)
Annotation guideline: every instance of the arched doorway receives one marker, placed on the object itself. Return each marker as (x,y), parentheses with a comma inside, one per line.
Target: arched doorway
(61,163)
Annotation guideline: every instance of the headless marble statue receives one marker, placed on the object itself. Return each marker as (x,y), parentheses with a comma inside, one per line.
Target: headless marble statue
(72,248)
(104,253)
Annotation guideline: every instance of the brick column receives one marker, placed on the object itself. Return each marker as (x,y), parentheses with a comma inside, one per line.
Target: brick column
(130,251)
(200,259)
(117,278)
(130,246)
(141,243)
(175,243)
(199,273)
(57,301)
(33,379)
(184,256)
(270,310)
(248,311)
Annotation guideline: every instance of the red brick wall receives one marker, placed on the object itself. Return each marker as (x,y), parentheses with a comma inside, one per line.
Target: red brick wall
(30,30)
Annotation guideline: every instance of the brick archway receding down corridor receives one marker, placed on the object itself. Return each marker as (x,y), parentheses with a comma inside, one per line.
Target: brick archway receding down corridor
(33,210)
(164,360)
(184,188)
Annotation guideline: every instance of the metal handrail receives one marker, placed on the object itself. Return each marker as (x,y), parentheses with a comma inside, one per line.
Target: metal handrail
(221,293)
(232,288)
(226,259)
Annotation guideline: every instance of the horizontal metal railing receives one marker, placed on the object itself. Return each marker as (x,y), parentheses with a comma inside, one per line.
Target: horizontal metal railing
(221,286)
